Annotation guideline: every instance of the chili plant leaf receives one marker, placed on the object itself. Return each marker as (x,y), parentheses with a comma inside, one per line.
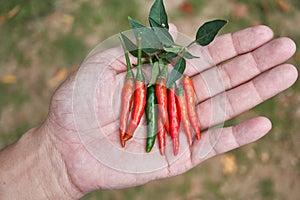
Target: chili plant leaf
(150,43)
(174,49)
(207,32)
(155,72)
(176,72)
(188,55)
(158,20)
(131,47)
(162,34)
(168,55)
(158,16)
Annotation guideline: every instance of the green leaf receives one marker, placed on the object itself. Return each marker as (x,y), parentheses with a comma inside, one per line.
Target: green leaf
(168,55)
(158,16)
(176,72)
(163,35)
(188,55)
(174,49)
(158,20)
(150,43)
(207,32)
(129,73)
(131,47)
(155,72)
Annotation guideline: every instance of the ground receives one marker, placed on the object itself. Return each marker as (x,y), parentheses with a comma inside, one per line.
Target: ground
(43,41)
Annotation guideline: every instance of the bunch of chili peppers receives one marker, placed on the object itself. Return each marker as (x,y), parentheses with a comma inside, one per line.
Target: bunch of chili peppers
(165,108)
(165,105)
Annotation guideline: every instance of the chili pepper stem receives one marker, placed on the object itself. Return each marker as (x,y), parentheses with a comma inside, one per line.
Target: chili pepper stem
(139,75)
(190,44)
(164,70)
(129,73)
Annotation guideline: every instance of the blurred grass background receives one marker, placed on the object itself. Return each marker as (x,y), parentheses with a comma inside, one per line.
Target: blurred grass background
(43,41)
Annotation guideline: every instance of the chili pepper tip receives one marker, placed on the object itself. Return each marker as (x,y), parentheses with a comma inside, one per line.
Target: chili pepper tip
(175,146)
(162,151)
(127,137)
(198,136)
(122,143)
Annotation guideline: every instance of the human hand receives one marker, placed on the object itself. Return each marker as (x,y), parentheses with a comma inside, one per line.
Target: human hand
(83,117)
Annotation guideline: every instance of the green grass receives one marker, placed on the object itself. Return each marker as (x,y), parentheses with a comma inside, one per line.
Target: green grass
(28,10)
(70,48)
(9,49)
(266,188)
(116,17)
(17,26)
(9,138)
(212,190)
(87,17)
(13,95)
(198,5)
(129,193)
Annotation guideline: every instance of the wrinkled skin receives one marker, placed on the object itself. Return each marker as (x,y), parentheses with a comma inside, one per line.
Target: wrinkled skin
(255,74)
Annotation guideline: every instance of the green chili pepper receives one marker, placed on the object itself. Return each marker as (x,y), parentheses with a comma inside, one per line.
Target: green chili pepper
(152,117)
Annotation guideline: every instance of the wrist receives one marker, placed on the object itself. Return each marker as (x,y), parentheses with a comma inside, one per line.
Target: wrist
(32,168)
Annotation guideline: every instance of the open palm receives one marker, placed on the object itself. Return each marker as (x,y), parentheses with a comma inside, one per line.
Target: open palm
(240,70)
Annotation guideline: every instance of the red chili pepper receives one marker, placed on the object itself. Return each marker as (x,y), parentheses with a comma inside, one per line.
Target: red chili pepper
(127,95)
(184,114)
(191,107)
(162,100)
(161,136)
(139,101)
(174,115)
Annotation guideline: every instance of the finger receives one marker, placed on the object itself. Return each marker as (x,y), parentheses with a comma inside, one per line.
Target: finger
(228,46)
(222,48)
(218,141)
(242,68)
(229,104)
